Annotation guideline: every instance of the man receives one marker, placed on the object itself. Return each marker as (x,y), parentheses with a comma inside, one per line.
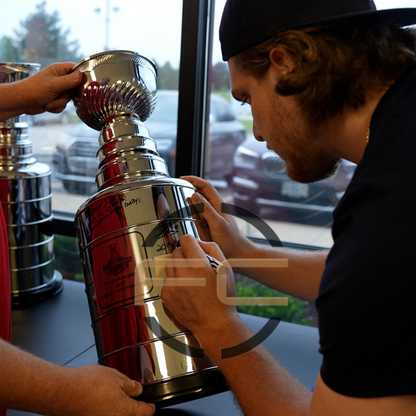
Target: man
(325,80)
(26,382)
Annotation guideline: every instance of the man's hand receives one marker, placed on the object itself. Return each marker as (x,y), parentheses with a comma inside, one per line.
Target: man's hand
(49,88)
(34,385)
(104,391)
(197,307)
(46,90)
(215,225)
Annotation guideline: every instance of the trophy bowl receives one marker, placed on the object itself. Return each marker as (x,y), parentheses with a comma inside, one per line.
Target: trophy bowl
(115,83)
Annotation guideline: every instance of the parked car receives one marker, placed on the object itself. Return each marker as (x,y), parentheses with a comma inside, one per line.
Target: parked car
(67,115)
(260,184)
(75,162)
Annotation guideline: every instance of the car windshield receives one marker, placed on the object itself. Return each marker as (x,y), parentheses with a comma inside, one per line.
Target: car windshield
(166,109)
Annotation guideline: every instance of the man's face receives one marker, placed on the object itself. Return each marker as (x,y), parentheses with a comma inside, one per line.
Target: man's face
(278,121)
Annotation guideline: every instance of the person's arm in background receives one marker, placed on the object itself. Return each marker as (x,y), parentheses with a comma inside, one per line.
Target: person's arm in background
(303,273)
(46,90)
(33,385)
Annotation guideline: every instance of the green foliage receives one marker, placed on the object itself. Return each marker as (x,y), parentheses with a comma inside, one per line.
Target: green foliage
(8,52)
(220,77)
(247,123)
(297,310)
(167,77)
(40,39)
(67,259)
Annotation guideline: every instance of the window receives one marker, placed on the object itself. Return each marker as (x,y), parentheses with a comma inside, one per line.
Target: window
(49,31)
(45,32)
(256,180)
(245,172)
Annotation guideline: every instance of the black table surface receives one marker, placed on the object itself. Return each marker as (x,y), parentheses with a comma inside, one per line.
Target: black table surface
(59,330)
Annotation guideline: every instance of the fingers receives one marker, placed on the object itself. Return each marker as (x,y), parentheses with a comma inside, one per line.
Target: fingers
(189,249)
(192,248)
(133,389)
(209,197)
(59,69)
(144,409)
(71,80)
(213,250)
(61,86)
(209,212)
(201,225)
(67,82)
(206,189)
(58,105)
(49,89)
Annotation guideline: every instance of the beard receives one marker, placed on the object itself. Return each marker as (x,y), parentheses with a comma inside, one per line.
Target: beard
(310,166)
(297,141)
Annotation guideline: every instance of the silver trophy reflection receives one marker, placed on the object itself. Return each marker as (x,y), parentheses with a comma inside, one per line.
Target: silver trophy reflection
(138,214)
(26,201)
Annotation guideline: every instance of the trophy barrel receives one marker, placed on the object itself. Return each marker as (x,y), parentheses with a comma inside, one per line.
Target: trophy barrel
(137,217)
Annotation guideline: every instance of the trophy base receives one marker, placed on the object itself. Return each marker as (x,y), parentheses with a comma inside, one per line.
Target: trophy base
(24,298)
(185,388)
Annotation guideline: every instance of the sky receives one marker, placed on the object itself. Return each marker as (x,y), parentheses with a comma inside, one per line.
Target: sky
(149,27)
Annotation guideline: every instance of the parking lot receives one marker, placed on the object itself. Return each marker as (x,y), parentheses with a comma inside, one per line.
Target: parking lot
(44,141)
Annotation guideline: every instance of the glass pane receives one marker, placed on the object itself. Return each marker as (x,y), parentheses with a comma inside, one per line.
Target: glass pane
(256,179)
(46,32)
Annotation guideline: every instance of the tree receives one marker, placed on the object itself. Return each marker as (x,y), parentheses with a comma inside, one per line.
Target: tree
(8,52)
(220,77)
(167,77)
(41,39)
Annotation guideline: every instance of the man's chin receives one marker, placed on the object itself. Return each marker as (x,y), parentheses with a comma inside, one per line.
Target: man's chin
(309,174)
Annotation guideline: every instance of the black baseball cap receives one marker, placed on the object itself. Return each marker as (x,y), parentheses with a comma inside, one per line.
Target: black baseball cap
(247,23)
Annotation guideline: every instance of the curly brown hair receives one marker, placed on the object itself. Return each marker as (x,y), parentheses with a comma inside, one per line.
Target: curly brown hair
(336,65)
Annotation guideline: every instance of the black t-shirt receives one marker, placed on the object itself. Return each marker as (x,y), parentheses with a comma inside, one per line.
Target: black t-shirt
(367,297)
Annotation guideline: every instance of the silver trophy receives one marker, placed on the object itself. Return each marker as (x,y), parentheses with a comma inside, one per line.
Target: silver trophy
(136,218)
(26,201)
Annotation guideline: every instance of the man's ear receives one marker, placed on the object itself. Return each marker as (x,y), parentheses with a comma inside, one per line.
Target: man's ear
(281,60)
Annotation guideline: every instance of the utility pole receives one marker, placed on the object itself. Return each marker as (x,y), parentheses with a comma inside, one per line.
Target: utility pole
(107,20)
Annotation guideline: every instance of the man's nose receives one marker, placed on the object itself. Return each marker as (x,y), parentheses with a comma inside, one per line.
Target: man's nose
(256,134)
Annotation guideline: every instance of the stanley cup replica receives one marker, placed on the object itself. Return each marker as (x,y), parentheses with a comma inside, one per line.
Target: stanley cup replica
(138,215)
(26,201)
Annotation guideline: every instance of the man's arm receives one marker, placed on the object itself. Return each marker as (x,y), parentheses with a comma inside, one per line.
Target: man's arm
(300,277)
(261,385)
(46,90)
(31,384)
(263,388)
(299,274)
